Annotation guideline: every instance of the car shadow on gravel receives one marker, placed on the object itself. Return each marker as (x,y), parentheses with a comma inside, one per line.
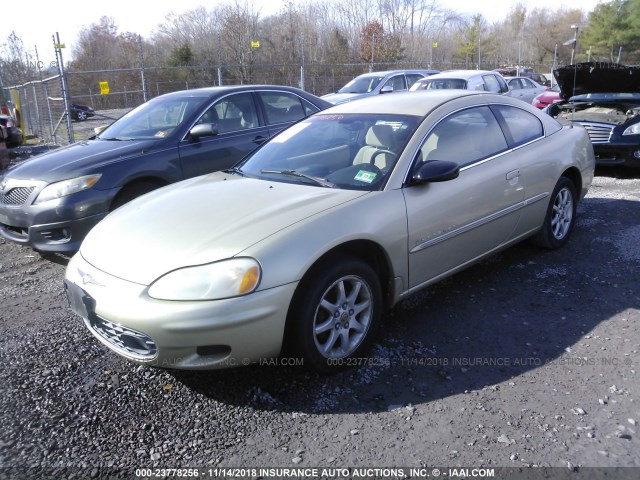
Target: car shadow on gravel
(521,310)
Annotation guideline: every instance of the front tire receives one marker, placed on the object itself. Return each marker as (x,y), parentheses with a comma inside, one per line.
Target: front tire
(335,314)
(561,216)
(131,192)
(81,116)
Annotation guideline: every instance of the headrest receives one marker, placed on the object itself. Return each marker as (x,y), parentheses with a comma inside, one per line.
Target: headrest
(380,136)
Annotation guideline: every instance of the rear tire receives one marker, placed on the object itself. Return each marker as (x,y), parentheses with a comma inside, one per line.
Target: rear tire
(335,314)
(561,216)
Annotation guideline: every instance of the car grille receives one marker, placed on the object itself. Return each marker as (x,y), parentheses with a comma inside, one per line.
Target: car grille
(598,132)
(126,341)
(16,196)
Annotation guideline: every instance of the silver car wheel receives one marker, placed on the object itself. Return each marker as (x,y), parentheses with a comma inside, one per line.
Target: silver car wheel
(81,116)
(343,317)
(562,217)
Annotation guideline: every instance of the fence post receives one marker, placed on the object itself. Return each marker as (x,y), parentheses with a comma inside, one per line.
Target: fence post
(144,84)
(58,48)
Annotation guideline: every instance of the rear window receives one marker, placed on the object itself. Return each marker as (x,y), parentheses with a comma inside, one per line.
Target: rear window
(440,84)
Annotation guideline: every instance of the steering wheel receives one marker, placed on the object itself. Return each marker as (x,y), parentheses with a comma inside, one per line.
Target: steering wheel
(372,160)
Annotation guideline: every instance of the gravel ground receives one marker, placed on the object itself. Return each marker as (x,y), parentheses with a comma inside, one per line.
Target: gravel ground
(527,359)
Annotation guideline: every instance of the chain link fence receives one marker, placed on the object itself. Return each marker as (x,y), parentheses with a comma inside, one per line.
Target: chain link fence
(43,110)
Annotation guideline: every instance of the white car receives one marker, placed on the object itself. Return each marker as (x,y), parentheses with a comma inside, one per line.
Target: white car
(477,80)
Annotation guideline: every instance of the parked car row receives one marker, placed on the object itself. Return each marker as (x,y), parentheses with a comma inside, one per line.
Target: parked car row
(51,201)
(221,226)
(375,83)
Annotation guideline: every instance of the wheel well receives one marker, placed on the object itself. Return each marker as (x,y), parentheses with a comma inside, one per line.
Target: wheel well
(138,182)
(573,174)
(369,252)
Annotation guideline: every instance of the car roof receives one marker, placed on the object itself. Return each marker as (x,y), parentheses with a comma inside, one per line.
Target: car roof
(211,91)
(393,72)
(462,74)
(418,103)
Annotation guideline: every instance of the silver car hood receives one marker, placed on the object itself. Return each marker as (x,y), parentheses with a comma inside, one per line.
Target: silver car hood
(200,221)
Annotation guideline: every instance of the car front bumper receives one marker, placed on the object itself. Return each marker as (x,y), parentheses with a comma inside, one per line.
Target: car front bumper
(611,154)
(193,335)
(55,226)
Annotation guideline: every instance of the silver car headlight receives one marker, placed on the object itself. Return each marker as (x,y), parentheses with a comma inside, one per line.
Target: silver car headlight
(67,187)
(632,130)
(229,278)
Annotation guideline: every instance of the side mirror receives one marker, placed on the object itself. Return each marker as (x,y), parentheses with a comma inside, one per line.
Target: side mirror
(204,130)
(435,171)
(386,89)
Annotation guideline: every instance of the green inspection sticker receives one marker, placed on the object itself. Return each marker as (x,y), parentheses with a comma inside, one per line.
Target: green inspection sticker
(364,176)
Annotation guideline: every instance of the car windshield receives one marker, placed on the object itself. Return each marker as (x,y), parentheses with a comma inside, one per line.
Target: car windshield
(354,152)
(362,84)
(155,119)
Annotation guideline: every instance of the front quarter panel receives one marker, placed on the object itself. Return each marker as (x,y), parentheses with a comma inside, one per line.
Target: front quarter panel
(377,217)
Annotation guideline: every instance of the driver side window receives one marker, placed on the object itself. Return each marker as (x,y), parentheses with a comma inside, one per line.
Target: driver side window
(465,137)
(233,113)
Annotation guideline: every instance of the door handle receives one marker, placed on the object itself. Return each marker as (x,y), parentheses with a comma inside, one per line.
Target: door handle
(513,174)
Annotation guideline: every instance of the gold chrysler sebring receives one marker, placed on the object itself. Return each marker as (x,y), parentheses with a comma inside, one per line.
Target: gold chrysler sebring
(303,245)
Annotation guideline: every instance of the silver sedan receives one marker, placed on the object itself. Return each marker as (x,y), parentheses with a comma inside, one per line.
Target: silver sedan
(304,245)
(524,88)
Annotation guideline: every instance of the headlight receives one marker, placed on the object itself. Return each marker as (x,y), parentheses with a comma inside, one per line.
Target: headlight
(632,130)
(214,281)
(67,187)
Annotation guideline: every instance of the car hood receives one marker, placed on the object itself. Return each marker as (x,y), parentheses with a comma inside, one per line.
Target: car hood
(597,77)
(77,159)
(337,98)
(199,221)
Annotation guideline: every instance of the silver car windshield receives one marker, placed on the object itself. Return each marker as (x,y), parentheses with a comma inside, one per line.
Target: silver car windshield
(155,119)
(356,151)
(364,84)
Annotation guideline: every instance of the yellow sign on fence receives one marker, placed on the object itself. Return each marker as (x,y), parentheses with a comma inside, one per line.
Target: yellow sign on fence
(255,44)
(104,88)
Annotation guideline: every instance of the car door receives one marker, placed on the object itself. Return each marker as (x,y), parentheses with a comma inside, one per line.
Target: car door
(515,88)
(529,90)
(454,222)
(240,130)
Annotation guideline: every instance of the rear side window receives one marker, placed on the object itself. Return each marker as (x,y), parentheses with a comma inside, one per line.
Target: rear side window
(491,84)
(413,78)
(284,107)
(520,126)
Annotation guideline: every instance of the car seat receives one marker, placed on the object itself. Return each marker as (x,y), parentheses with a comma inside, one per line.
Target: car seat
(377,151)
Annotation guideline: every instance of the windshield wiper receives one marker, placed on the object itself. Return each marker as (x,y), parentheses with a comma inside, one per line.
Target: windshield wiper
(235,170)
(317,180)
(116,139)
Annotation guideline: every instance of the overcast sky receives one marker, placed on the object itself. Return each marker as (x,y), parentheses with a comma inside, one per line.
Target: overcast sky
(38,22)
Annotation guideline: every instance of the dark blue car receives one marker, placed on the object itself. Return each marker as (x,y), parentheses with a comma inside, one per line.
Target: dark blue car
(51,201)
